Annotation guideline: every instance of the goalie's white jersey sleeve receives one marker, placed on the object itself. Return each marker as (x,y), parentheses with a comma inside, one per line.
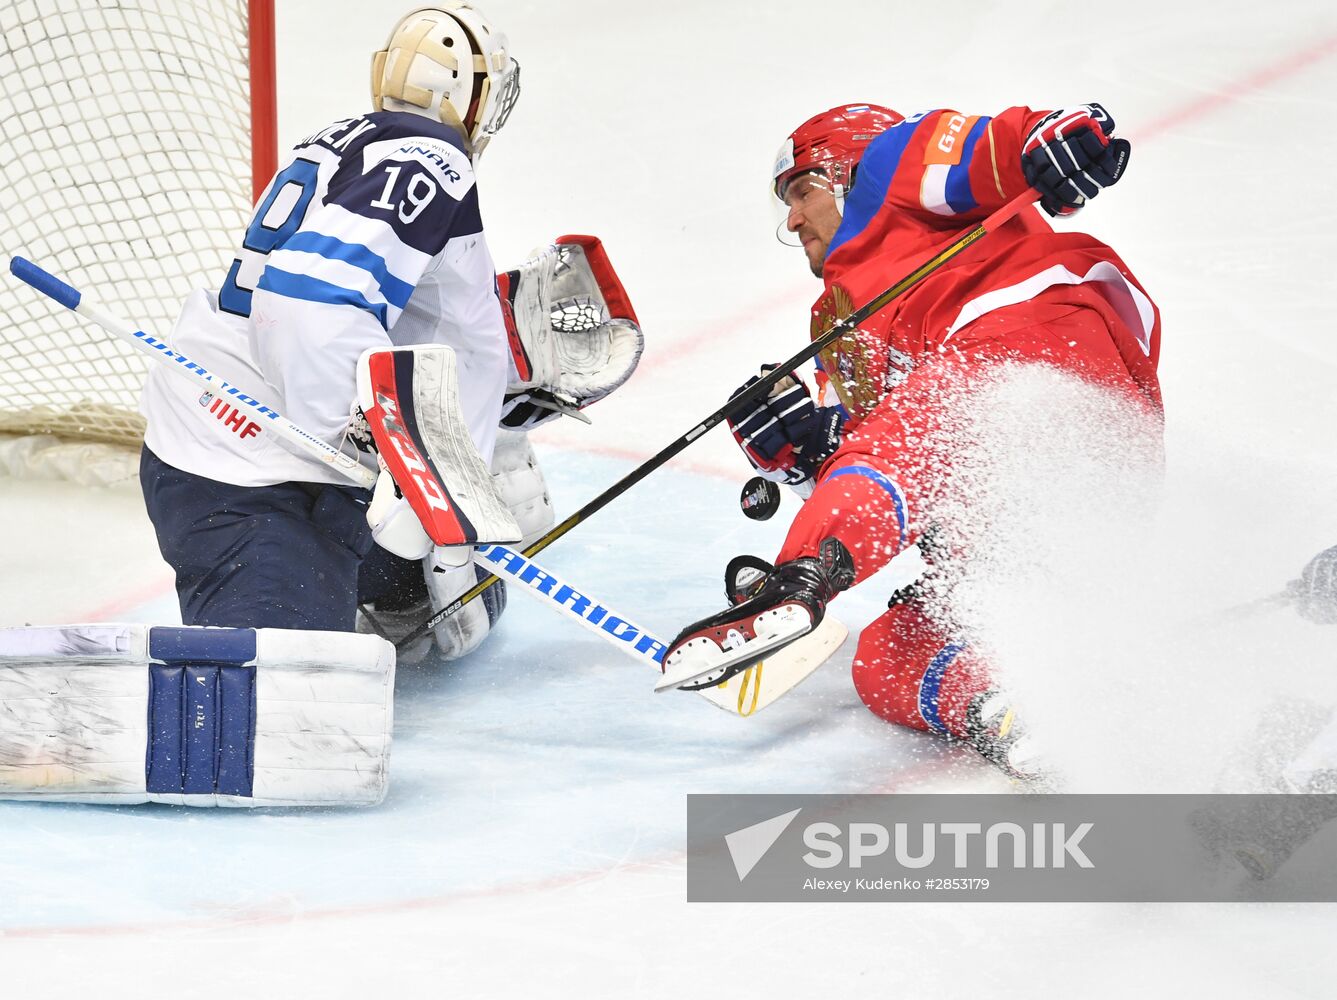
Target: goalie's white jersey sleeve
(369,235)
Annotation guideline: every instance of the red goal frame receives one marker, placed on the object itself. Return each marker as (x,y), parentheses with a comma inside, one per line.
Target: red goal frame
(264,95)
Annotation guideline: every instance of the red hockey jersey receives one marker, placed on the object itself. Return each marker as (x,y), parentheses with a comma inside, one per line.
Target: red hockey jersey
(919,185)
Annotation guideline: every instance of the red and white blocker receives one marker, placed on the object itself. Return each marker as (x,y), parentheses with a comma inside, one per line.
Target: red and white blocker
(877,492)
(435,488)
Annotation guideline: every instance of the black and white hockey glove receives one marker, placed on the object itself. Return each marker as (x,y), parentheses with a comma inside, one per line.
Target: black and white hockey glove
(573,332)
(525,409)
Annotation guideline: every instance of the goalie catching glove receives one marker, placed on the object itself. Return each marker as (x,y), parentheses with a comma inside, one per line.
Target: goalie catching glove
(573,332)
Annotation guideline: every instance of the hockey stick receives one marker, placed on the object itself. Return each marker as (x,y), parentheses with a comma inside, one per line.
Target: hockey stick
(626,636)
(757,687)
(71,298)
(758,389)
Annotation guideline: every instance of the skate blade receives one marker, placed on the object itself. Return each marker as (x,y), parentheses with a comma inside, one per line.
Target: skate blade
(761,684)
(704,661)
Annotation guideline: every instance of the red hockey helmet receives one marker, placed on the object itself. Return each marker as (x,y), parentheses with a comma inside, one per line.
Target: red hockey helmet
(831,143)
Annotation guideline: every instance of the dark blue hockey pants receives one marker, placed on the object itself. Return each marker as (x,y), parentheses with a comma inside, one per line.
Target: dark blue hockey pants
(286,556)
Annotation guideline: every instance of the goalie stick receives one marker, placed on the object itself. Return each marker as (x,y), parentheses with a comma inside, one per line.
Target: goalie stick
(71,298)
(758,389)
(757,687)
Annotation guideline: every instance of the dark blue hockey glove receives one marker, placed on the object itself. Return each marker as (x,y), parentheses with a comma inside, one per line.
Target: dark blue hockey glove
(1072,155)
(785,435)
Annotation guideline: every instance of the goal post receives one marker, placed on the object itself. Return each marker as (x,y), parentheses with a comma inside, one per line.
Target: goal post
(264,95)
(136,135)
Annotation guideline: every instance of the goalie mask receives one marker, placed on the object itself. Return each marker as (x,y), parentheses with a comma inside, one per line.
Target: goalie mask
(828,146)
(450,63)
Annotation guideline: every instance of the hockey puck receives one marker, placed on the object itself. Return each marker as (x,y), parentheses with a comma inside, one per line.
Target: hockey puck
(760,499)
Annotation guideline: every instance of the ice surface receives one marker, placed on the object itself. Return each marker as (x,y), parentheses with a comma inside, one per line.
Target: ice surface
(531,844)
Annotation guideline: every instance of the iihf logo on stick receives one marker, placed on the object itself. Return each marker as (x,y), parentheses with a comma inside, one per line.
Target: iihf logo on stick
(233,419)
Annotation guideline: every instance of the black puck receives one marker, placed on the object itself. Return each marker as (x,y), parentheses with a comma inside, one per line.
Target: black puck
(760,499)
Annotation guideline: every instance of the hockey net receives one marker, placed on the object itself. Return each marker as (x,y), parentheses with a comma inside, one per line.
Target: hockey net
(135,134)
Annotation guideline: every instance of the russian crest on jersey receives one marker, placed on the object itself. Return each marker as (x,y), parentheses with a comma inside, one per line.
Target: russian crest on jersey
(857,363)
(126,714)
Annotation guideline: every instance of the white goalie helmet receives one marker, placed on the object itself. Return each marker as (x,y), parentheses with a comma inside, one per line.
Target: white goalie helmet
(451,63)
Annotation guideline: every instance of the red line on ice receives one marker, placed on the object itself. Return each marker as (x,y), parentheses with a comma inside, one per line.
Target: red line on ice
(128,601)
(260,916)
(1289,65)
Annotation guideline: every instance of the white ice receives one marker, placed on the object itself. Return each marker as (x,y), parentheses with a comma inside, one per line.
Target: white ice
(531,844)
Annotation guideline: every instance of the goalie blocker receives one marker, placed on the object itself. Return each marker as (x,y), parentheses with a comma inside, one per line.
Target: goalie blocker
(124,714)
(435,489)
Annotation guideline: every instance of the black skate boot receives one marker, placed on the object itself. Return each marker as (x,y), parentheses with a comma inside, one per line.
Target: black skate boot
(770,609)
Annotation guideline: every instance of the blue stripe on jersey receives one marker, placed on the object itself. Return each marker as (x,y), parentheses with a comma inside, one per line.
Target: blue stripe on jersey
(309,289)
(396,292)
(897,501)
(873,178)
(931,683)
(959,196)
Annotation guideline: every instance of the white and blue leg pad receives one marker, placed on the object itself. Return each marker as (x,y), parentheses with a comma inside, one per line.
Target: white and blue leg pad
(194,716)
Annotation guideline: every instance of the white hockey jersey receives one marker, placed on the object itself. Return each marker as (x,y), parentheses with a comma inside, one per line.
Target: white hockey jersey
(369,235)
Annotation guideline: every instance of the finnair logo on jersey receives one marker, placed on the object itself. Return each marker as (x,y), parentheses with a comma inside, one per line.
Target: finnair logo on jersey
(432,156)
(516,567)
(450,166)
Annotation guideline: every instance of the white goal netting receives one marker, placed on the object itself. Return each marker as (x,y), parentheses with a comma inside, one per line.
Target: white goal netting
(126,133)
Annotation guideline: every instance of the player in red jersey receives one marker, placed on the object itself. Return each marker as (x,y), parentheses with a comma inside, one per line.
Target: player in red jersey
(869,195)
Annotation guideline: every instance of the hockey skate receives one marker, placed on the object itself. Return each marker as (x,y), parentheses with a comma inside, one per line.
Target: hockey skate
(993,731)
(771,608)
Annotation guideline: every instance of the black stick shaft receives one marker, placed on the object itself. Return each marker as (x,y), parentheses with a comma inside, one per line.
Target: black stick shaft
(755,391)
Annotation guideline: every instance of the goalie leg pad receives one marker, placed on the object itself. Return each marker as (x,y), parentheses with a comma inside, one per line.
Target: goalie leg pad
(410,397)
(125,714)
